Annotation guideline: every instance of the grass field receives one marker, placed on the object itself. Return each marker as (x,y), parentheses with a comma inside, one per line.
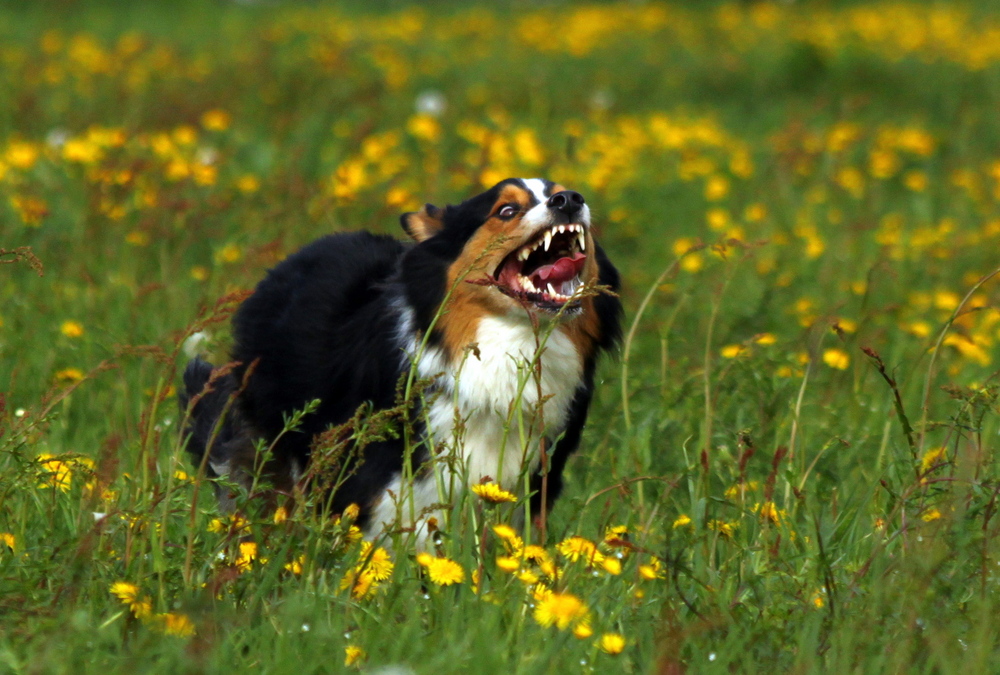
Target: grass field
(791,467)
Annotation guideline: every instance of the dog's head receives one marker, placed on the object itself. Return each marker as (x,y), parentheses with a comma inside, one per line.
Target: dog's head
(522,244)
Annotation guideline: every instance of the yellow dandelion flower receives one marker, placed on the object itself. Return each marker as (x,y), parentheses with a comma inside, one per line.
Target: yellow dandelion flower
(7,539)
(611,643)
(57,473)
(216,120)
(247,184)
(536,554)
(353,654)
(731,351)
(376,563)
(142,609)
(682,520)
(125,591)
(817,600)
(137,238)
(280,515)
(754,213)
(248,553)
(768,511)
(22,155)
(765,339)
(693,262)
(82,151)
(612,566)
(508,564)
(652,570)
(561,610)
(351,512)
(575,548)
(930,515)
(229,253)
(505,532)
(235,522)
(836,358)
(493,493)
(718,218)
(582,630)
(362,585)
(424,127)
(916,181)
(204,174)
(442,571)
(723,528)
(175,624)
(69,375)
(540,592)
(528,577)
(852,180)
(716,188)
(847,325)
(511,541)
(615,533)
(295,567)
(932,458)
(185,135)
(71,329)
(353,535)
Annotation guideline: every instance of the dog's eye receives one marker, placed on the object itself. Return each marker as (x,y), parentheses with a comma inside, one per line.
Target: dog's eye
(508,211)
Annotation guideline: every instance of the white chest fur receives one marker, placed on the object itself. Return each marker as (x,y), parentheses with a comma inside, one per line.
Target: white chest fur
(496,395)
(485,419)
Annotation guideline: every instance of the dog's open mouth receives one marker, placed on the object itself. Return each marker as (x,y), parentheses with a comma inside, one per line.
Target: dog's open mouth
(546,270)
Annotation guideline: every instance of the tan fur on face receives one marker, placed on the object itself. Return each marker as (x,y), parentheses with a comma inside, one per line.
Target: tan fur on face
(483,253)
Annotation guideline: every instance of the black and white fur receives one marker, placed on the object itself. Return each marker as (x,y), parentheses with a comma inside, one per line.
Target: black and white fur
(343,320)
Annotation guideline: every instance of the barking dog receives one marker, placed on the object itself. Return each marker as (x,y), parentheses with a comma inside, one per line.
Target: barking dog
(494,305)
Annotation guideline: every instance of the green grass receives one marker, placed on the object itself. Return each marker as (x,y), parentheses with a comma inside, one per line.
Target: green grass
(829,170)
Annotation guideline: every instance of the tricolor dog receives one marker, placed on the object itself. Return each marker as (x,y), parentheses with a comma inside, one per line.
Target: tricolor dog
(501,306)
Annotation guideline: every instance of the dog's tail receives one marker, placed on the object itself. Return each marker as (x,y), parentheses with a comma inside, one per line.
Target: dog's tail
(213,418)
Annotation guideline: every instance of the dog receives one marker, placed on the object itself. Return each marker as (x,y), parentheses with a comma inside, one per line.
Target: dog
(501,306)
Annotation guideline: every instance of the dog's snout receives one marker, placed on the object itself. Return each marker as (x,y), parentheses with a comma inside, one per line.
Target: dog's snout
(567,201)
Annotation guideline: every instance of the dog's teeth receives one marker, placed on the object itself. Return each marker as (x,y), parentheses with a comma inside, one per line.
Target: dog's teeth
(552,291)
(527,285)
(548,239)
(523,254)
(561,228)
(582,238)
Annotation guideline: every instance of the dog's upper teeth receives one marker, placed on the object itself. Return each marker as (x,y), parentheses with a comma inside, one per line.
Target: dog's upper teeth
(562,228)
(523,254)
(548,239)
(582,238)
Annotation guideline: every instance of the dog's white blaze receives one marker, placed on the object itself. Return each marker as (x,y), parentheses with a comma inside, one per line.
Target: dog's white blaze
(483,393)
(537,188)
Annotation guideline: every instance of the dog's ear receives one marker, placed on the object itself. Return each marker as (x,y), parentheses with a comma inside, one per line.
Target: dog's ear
(423,224)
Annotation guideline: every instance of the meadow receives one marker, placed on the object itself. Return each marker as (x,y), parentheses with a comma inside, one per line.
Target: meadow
(790,467)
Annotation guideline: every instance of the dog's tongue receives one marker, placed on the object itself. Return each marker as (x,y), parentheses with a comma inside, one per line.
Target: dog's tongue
(561,270)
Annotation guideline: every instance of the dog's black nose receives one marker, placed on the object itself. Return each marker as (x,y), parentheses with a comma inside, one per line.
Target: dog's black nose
(567,201)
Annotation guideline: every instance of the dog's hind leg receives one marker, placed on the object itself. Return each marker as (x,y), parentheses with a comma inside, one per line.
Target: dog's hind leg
(217,439)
